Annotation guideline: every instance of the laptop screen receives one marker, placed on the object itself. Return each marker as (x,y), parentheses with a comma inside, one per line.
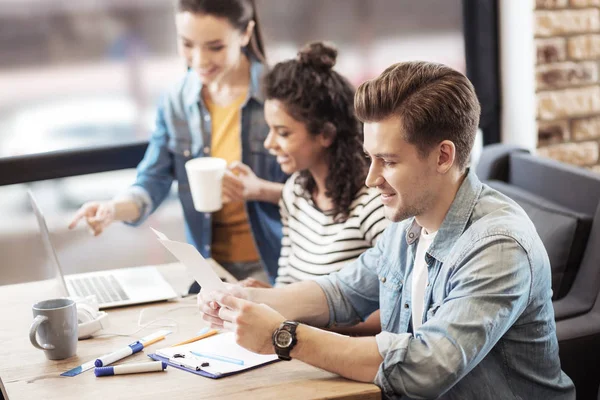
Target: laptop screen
(52,265)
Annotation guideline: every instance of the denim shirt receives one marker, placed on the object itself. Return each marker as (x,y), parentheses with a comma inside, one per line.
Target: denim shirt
(488,324)
(183,132)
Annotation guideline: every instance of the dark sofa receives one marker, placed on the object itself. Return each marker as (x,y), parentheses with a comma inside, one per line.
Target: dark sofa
(563,203)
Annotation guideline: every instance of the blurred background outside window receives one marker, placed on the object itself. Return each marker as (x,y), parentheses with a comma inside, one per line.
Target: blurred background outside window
(86,73)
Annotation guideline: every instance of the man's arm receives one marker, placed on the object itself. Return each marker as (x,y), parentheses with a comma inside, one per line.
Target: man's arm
(343,298)
(355,358)
(371,327)
(254,324)
(303,301)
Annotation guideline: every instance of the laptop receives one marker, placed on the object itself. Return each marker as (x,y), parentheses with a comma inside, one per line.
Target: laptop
(113,288)
(3,395)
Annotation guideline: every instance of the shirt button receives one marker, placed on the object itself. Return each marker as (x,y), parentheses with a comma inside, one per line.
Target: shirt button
(406,305)
(206,150)
(382,279)
(186,153)
(206,117)
(206,216)
(206,247)
(411,235)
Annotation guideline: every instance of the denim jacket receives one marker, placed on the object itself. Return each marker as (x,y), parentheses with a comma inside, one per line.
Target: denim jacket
(488,324)
(183,132)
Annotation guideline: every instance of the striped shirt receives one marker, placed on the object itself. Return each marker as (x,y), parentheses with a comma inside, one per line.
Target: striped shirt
(314,244)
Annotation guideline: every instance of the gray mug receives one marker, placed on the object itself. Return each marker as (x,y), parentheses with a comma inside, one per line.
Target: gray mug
(55,322)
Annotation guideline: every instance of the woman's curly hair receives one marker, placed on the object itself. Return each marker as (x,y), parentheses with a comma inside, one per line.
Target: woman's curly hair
(316,95)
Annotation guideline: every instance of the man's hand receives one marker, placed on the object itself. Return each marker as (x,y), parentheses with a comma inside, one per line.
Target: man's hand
(252,323)
(208,305)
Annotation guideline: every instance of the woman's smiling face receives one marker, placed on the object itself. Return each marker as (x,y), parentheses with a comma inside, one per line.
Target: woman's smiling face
(210,45)
(296,149)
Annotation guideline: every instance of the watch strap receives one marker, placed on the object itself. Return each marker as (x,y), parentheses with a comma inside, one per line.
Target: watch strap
(284,352)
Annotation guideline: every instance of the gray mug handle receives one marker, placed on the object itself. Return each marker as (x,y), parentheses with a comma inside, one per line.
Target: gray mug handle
(40,319)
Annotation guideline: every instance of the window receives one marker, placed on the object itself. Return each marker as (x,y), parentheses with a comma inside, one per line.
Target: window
(81,74)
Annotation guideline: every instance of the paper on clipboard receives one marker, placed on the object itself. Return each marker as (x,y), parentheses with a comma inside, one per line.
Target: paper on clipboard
(221,345)
(197,265)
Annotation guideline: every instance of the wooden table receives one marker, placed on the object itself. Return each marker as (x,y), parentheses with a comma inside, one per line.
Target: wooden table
(27,374)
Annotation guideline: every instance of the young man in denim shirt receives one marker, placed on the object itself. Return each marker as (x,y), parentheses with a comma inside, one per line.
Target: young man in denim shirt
(461,278)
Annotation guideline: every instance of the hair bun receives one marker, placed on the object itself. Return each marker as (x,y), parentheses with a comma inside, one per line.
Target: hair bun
(318,55)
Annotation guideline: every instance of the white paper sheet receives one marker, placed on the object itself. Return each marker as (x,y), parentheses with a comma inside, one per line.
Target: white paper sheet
(196,265)
(159,234)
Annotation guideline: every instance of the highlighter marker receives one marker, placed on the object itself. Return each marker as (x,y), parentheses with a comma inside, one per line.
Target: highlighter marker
(119,354)
(131,368)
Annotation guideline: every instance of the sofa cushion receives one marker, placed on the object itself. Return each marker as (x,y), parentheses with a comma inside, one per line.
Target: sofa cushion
(564,233)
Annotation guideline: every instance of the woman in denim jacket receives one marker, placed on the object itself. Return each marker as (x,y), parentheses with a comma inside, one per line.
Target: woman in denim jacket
(215,110)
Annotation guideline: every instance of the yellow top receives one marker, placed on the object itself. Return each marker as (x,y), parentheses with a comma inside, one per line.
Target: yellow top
(232,238)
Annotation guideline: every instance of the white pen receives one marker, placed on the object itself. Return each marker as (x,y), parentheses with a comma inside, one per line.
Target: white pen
(131,368)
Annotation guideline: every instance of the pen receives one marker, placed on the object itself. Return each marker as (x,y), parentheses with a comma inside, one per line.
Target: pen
(218,357)
(196,338)
(124,352)
(131,368)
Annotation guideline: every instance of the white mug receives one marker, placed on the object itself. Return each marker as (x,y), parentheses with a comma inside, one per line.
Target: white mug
(205,176)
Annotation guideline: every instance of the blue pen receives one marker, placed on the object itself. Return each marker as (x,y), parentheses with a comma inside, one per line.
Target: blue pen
(218,357)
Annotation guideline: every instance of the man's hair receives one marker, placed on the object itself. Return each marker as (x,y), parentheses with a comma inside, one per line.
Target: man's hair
(432,101)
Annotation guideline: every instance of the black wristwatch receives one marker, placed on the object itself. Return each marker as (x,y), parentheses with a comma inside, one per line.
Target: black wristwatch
(284,339)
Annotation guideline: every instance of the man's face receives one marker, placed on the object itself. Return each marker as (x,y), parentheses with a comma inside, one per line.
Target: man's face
(408,181)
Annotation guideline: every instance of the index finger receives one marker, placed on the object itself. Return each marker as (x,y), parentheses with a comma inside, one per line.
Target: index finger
(81,213)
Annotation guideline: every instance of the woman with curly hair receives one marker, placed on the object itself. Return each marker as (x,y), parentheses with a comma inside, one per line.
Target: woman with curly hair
(329,216)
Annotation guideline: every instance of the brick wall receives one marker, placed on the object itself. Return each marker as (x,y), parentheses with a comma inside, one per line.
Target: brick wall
(567,40)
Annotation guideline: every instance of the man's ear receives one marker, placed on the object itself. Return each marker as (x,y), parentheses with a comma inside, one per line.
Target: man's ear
(446,156)
(328,134)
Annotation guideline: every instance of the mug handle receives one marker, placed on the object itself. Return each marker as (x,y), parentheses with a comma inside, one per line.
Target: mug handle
(40,319)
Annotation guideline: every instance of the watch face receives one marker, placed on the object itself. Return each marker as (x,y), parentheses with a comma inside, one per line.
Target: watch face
(283,339)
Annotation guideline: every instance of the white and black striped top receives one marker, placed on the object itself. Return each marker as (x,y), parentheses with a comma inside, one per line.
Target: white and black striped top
(314,244)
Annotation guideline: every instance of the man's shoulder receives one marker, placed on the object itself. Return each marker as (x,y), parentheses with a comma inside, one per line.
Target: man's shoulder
(496,215)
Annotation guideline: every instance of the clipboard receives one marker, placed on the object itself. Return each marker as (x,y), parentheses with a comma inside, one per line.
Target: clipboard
(222,345)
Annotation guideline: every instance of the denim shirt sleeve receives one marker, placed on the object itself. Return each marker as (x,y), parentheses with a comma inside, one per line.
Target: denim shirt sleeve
(154,173)
(488,289)
(353,292)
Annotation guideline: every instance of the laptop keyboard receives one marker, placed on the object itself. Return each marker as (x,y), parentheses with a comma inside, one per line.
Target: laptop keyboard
(106,288)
